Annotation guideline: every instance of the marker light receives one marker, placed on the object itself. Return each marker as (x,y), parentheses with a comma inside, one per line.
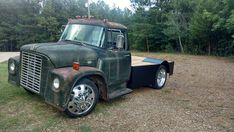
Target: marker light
(76,65)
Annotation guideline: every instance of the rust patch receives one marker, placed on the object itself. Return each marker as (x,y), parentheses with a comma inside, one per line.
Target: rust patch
(97,23)
(69,73)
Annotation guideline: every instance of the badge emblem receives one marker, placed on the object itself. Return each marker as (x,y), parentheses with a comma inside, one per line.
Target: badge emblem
(33,47)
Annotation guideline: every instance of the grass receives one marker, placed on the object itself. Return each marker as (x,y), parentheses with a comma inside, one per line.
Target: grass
(84,129)
(21,111)
(231,57)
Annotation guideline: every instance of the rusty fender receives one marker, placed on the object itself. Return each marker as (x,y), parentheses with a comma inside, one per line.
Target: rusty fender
(68,78)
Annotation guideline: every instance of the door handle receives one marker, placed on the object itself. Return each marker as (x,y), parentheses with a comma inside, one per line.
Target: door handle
(126,55)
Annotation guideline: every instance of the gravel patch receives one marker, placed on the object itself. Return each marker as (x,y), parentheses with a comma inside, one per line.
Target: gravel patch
(4,56)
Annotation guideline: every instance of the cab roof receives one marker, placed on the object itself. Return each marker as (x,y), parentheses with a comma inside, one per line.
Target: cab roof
(95,22)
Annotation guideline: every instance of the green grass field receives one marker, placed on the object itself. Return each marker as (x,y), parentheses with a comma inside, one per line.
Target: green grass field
(21,111)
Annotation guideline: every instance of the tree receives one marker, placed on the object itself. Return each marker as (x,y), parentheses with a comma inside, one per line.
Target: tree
(197,27)
(208,26)
(177,21)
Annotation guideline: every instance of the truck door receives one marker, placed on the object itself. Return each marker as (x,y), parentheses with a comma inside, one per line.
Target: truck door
(120,59)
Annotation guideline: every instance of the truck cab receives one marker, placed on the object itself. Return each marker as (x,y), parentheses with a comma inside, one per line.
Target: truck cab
(91,61)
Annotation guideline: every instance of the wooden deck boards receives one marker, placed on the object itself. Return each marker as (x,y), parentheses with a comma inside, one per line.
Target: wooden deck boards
(138,61)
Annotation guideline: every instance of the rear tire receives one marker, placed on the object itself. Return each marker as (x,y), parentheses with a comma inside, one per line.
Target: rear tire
(161,77)
(83,99)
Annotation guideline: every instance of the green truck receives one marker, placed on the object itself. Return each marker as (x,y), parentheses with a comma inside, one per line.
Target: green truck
(91,61)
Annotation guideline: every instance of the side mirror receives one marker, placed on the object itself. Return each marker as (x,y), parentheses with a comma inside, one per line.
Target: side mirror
(62,28)
(120,42)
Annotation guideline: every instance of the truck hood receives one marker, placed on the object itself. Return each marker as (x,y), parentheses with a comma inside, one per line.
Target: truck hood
(63,54)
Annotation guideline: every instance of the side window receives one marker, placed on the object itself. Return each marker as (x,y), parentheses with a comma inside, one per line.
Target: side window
(112,37)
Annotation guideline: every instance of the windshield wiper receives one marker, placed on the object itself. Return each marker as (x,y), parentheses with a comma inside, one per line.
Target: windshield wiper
(68,40)
(78,42)
(84,42)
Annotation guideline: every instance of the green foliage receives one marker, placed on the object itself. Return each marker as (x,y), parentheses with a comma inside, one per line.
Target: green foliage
(196,27)
(211,27)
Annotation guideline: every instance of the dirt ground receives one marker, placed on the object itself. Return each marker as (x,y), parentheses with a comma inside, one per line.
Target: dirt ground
(4,56)
(198,97)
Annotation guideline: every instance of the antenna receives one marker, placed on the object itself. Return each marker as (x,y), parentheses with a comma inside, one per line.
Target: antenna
(87,5)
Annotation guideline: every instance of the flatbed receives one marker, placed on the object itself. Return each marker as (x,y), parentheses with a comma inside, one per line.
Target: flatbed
(143,71)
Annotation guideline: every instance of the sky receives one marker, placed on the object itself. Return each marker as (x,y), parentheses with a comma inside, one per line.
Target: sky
(118,3)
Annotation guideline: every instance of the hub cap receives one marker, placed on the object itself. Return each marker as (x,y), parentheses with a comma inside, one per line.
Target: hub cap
(161,78)
(82,99)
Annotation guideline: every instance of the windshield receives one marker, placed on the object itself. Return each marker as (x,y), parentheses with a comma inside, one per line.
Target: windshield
(86,34)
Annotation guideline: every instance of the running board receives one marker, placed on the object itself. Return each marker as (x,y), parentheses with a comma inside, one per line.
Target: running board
(119,93)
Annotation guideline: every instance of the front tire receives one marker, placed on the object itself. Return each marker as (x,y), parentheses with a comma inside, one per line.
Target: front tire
(161,77)
(83,99)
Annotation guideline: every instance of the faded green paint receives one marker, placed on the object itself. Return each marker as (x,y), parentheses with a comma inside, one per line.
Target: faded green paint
(68,76)
(112,67)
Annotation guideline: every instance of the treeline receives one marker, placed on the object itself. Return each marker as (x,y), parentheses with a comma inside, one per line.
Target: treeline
(195,27)
(34,21)
(191,26)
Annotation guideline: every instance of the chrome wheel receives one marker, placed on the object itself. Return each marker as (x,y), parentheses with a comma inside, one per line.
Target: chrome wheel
(161,77)
(82,99)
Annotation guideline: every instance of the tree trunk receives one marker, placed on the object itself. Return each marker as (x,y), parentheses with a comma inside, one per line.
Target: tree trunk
(209,47)
(181,46)
(147,44)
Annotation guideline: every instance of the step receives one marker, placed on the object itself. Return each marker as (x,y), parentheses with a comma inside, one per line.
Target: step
(119,93)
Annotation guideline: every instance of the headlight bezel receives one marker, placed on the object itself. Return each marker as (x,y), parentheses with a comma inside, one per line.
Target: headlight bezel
(11,70)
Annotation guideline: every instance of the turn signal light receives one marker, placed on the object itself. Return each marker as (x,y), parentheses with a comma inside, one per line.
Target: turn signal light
(76,65)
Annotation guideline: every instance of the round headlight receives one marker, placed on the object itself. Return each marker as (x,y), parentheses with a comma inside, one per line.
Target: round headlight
(12,67)
(56,83)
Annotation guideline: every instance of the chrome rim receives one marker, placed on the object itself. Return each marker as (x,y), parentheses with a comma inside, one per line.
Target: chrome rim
(161,78)
(82,99)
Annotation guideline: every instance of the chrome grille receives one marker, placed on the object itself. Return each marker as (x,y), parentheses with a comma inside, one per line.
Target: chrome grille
(31,71)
